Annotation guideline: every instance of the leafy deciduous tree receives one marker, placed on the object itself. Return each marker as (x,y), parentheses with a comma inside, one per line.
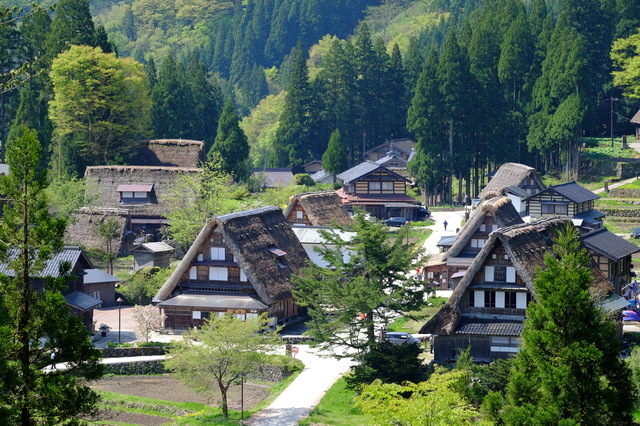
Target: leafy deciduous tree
(230,349)
(148,318)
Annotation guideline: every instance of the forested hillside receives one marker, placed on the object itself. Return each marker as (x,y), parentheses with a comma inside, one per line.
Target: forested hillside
(475,82)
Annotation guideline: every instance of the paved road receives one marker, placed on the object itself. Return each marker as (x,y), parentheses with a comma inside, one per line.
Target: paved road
(320,373)
(454,221)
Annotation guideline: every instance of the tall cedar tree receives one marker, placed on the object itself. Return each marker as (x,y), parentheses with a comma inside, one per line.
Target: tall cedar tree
(425,121)
(231,147)
(207,99)
(34,316)
(72,25)
(355,293)
(334,159)
(568,370)
(292,137)
(12,49)
(172,113)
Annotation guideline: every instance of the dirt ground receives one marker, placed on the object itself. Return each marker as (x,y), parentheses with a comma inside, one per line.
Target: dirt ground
(168,388)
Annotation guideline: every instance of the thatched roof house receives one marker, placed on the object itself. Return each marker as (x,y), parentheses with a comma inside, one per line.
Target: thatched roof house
(515,180)
(490,215)
(83,229)
(487,308)
(636,120)
(317,209)
(139,189)
(240,263)
(170,153)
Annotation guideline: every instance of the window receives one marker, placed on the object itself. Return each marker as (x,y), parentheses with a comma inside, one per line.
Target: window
(387,186)
(299,214)
(489,299)
(96,294)
(483,228)
(200,257)
(500,274)
(521,300)
(510,300)
(243,276)
(505,344)
(489,274)
(240,317)
(477,243)
(511,274)
(252,316)
(218,274)
(478,299)
(193,273)
(494,227)
(430,274)
(218,253)
(374,186)
(499,299)
(554,208)
(196,315)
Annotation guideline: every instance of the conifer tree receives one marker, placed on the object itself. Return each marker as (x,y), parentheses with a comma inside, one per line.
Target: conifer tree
(231,147)
(334,159)
(292,144)
(72,25)
(172,114)
(34,317)
(207,102)
(568,370)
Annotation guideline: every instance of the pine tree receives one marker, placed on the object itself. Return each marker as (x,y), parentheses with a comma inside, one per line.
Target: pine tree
(30,236)
(292,145)
(568,370)
(71,25)
(334,159)
(231,147)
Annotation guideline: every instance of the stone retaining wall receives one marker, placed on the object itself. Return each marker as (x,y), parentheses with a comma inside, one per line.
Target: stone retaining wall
(127,352)
(622,213)
(625,193)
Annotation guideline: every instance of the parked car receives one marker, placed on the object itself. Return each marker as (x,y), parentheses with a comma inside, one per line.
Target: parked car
(396,221)
(400,338)
(423,213)
(635,233)
(630,315)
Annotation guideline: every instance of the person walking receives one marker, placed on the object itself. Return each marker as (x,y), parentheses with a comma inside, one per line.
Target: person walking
(445,224)
(53,360)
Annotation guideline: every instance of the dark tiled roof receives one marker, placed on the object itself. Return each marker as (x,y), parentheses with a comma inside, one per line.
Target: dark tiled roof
(492,327)
(215,301)
(358,171)
(447,241)
(609,244)
(590,216)
(52,268)
(516,190)
(573,192)
(94,276)
(82,301)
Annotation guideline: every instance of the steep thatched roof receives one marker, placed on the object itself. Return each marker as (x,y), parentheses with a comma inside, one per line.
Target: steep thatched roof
(256,238)
(509,174)
(82,230)
(636,118)
(170,153)
(526,245)
(322,208)
(500,207)
(108,178)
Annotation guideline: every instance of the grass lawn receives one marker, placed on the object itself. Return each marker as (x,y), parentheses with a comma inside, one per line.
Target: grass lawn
(633,185)
(413,321)
(336,409)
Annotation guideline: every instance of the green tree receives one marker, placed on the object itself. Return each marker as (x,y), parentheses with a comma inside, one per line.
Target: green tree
(36,321)
(109,230)
(334,159)
(72,25)
(172,114)
(142,286)
(568,370)
(192,199)
(100,109)
(228,349)
(626,60)
(434,402)
(231,147)
(348,298)
(291,144)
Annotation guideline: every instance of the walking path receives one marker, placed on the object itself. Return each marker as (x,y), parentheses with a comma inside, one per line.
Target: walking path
(454,221)
(301,396)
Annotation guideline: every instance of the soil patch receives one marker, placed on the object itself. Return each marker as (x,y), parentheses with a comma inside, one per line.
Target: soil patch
(168,388)
(131,418)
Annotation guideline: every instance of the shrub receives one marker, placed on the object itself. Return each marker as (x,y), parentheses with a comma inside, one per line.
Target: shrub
(303,179)
(143,285)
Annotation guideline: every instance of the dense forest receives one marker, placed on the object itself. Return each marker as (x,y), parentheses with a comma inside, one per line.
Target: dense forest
(476,83)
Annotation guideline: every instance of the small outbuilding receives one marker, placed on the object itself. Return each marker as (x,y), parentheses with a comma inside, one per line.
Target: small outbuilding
(101,285)
(152,254)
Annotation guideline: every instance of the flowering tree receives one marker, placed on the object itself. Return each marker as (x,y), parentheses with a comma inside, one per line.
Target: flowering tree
(148,318)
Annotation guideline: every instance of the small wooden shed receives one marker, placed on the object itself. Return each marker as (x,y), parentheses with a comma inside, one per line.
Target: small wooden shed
(152,254)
